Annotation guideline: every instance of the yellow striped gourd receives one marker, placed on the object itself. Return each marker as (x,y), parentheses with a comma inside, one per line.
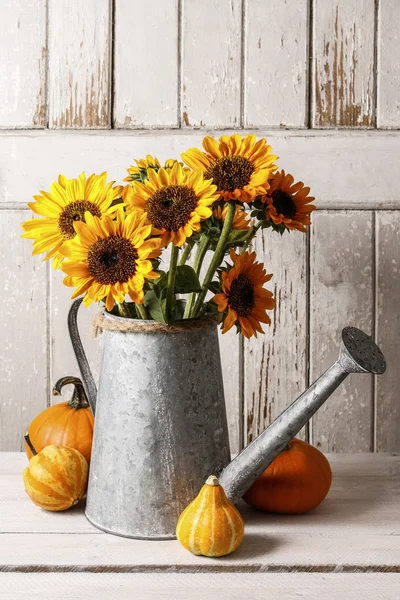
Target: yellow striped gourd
(56,477)
(211,525)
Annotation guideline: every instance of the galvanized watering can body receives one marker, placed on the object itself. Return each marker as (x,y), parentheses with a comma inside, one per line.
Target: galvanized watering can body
(160,428)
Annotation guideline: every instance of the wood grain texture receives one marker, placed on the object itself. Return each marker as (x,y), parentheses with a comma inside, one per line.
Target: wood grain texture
(23,318)
(275,366)
(388,68)
(341,293)
(23,64)
(388,330)
(211,63)
(276,63)
(364,496)
(79,64)
(343,57)
(196,586)
(360,482)
(310,156)
(146,64)
(355,529)
(229,344)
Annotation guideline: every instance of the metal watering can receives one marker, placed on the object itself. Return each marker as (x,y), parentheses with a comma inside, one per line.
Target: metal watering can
(161,428)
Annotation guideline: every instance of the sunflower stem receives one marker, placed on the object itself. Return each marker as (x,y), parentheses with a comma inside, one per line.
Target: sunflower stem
(251,237)
(204,245)
(141,309)
(217,258)
(123,309)
(187,252)
(171,281)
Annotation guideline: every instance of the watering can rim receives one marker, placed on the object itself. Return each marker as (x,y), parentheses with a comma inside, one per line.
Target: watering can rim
(214,317)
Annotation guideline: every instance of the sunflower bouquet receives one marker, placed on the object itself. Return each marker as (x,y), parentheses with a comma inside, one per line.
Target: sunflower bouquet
(111,241)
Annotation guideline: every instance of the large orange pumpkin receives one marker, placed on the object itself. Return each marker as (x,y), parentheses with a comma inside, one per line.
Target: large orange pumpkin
(295,482)
(65,424)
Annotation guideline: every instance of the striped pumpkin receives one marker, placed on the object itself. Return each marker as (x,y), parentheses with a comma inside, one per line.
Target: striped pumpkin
(210,525)
(56,478)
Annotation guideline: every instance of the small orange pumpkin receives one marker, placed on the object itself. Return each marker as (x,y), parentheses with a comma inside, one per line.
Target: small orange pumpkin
(65,424)
(56,478)
(295,482)
(210,525)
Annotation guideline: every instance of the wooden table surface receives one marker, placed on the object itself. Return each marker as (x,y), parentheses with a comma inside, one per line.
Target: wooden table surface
(347,548)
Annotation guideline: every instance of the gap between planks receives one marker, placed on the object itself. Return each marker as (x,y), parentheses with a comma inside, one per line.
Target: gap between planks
(300,568)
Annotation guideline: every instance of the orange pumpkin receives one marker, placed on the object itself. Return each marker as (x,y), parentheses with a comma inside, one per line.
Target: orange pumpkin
(56,477)
(295,482)
(210,525)
(65,424)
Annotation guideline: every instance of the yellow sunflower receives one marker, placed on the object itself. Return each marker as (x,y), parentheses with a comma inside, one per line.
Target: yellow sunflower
(175,202)
(243,297)
(66,203)
(239,167)
(240,220)
(287,204)
(139,172)
(110,258)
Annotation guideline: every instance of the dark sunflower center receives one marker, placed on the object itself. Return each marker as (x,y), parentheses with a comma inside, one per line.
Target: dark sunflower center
(170,207)
(230,173)
(112,260)
(284,204)
(241,295)
(75,211)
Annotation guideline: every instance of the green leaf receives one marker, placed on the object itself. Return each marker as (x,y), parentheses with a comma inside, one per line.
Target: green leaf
(210,307)
(238,235)
(186,280)
(155,307)
(214,287)
(160,287)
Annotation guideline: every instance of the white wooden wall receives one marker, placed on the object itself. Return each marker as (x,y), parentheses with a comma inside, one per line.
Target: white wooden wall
(88,85)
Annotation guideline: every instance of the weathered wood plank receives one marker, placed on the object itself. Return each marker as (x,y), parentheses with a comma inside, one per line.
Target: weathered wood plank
(211,68)
(343,52)
(310,156)
(388,327)
(275,370)
(23,318)
(276,60)
(146,64)
(355,501)
(23,64)
(229,344)
(341,293)
(261,550)
(388,68)
(229,586)
(79,64)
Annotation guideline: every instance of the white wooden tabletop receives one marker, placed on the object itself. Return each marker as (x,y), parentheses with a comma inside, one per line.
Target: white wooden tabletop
(347,548)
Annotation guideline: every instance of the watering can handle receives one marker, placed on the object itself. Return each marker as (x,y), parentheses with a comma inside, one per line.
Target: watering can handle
(87,377)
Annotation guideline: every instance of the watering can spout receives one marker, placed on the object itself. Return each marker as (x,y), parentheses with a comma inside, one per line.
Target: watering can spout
(87,377)
(358,354)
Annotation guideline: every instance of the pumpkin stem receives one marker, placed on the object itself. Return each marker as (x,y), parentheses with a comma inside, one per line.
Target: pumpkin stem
(79,398)
(28,441)
(212,480)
